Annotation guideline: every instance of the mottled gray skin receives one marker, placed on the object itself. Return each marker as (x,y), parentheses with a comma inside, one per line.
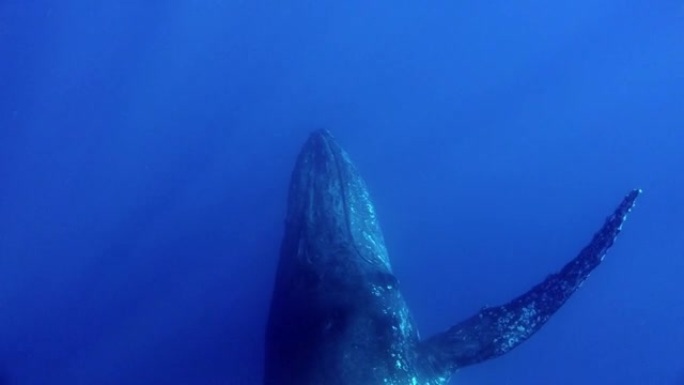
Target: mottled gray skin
(337,316)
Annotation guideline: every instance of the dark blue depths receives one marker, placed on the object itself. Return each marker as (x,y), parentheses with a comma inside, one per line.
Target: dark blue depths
(145,150)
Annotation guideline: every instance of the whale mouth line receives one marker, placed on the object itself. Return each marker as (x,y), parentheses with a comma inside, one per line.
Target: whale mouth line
(345,206)
(325,139)
(341,164)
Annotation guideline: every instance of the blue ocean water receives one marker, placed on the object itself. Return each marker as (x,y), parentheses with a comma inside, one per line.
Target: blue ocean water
(145,151)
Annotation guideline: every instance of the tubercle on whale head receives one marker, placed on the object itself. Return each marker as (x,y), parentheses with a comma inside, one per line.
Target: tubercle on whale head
(329,206)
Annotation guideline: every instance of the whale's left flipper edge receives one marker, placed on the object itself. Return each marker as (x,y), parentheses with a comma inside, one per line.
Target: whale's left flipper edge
(496,330)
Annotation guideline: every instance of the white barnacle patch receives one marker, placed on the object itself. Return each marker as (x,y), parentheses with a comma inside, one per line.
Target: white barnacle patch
(404,324)
(375,290)
(369,206)
(528,315)
(517,327)
(370,239)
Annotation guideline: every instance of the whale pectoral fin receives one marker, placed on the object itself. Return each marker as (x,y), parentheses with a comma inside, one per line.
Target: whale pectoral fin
(496,330)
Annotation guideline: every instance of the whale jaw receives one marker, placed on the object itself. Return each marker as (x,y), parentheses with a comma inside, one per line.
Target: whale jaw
(330,208)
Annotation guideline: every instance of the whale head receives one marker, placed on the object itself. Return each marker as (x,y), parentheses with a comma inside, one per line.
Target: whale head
(330,210)
(337,315)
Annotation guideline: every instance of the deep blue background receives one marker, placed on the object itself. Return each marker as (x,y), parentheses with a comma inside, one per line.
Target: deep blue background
(145,149)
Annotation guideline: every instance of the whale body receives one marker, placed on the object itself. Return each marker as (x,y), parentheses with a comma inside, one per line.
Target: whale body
(337,316)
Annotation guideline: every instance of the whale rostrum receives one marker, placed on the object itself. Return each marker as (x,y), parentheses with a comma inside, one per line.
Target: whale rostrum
(337,316)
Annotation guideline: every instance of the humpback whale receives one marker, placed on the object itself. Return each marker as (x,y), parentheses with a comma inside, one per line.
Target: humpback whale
(337,316)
